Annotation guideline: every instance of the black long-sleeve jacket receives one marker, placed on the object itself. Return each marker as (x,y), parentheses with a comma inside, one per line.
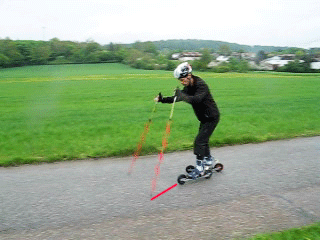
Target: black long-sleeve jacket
(199,96)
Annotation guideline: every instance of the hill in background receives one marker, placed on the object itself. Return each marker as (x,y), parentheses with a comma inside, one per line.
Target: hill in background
(193,45)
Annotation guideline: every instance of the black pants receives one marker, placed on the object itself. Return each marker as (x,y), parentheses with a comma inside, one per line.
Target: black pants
(201,143)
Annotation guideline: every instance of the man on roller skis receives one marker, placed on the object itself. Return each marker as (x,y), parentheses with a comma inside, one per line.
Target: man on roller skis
(196,92)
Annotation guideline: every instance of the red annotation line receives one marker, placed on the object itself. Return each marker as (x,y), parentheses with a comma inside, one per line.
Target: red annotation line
(173,186)
(161,156)
(142,139)
(139,147)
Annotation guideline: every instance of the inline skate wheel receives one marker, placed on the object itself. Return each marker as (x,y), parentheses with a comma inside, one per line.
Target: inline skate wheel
(182,179)
(218,167)
(190,168)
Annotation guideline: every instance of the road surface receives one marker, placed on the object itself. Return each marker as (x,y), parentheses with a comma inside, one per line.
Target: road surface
(264,187)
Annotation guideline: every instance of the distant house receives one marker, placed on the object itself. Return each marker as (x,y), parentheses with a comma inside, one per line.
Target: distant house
(277,61)
(315,65)
(223,59)
(219,59)
(175,56)
(186,56)
(247,55)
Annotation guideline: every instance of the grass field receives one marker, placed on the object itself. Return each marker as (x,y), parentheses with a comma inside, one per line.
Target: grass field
(51,113)
(311,232)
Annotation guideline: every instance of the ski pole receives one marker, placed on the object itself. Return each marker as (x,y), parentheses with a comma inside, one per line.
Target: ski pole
(142,139)
(174,101)
(163,148)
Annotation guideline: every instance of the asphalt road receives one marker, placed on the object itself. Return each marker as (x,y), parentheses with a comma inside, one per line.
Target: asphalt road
(264,187)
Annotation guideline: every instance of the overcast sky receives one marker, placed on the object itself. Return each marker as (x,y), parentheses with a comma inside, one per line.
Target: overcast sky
(294,23)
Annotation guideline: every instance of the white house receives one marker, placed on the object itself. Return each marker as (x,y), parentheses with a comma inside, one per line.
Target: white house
(175,56)
(220,59)
(223,59)
(315,65)
(186,56)
(190,56)
(277,61)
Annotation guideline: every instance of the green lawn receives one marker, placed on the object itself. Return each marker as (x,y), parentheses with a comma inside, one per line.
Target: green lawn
(311,232)
(51,113)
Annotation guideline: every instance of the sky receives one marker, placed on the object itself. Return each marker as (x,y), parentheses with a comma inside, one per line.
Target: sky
(288,23)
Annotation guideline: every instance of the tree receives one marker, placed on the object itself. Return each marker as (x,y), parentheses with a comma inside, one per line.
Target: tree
(91,47)
(9,48)
(78,54)
(171,65)
(205,59)
(260,57)
(40,53)
(314,51)
(4,60)
(61,48)
(106,56)
(233,64)
(24,47)
(148,47)
(133,56)
(296,67)
(93,57)
(138,46)
(243,66)
(300,54)
(225,50)
(121,53)
(240,51)
(111,47)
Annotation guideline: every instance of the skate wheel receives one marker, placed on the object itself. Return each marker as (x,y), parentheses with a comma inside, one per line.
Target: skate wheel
(218,167)
(190,168)
(182,179)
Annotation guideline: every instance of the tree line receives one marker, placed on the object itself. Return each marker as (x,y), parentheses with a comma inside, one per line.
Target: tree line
(28,52)
(193,44)
(142,55)
(145,55)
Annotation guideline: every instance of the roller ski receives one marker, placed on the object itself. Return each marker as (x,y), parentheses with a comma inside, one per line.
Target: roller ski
(203,169)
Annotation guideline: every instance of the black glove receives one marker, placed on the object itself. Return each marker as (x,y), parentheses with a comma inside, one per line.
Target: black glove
(160,97)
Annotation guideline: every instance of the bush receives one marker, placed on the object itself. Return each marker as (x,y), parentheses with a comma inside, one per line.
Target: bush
(171,65)
(222,69)
(4,60)
(239,65)
(243,66)
(60,60)
(199,65)
(296,67)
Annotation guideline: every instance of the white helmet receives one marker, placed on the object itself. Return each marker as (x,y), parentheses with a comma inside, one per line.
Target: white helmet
(182,70)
